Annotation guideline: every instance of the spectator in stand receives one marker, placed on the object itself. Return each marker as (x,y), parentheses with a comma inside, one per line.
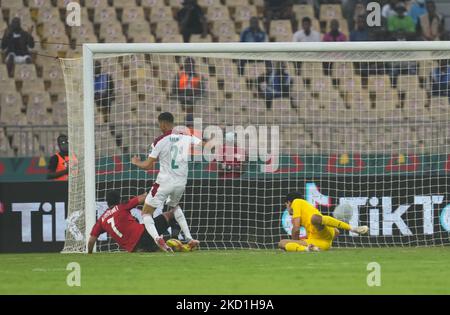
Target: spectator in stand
(440,78)
(416,10)
(277,83)
(389,9)
(278,10)
(252,34)
(16,45)
(306,34)
(360,33)
(188,87)
(334,35)
(401,26)
(431,23)
(58,166)
(103,91)
(192,20)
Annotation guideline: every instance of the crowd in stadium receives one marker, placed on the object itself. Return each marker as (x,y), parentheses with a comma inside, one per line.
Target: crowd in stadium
(34,34)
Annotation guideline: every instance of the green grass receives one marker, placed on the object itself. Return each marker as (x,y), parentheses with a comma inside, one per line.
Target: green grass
(338,271)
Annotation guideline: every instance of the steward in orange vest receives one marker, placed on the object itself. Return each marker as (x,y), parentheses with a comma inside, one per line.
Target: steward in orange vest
(58,167)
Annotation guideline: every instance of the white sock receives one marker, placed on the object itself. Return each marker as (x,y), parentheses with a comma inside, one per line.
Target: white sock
(150,226)
(181,220)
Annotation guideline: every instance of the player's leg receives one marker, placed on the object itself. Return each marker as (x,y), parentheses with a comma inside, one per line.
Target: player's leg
(154,199)
(178,213)
(146,242)
(294,245)
(325,220)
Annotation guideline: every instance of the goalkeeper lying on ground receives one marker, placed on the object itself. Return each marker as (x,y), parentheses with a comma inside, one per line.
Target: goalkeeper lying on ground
(321,229)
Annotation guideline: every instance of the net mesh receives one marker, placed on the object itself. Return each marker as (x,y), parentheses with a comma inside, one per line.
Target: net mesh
(365,128)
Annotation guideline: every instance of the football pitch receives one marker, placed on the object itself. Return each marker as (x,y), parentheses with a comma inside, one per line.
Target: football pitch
(338,271)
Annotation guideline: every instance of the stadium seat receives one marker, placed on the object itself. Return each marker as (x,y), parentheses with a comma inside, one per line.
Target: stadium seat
(94,4)
(217,13)
(11,4)
(124,4)
(426,67)
(166,28)
(280,27)
(414,104)
(320,84)
(350,84)
(302,10)
(175,4)
(11,107)
(254,70)
(149,4)
(330,12)
(54,28)
(407,83)
(229,38)
(132,14)
(244,13)
(287,37)
(161,14)
(48,15)
(62,4)
(104,15)
(139,26)
(109,29)
(32,85)
(6,83)
(197,38)
(26,20)
(341,70)
(175,38)
(358,100)
(25,72)
(386,99)
(378,83)
(84,34)
(37,105)
(39,4)
(208,3)
(331,100)
(223,28)
(142,38)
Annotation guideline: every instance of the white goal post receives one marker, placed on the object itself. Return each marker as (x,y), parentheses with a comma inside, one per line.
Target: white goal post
(307,53)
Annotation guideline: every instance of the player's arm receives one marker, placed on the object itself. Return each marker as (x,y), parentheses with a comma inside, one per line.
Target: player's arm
(296,228)
(147,164)
(134,202)
(95,232)
(91,244)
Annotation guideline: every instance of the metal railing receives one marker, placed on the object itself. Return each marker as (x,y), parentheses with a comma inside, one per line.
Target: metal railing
(25,141)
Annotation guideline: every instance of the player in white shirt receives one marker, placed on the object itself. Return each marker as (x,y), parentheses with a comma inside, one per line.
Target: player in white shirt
(306,34)
(172,149)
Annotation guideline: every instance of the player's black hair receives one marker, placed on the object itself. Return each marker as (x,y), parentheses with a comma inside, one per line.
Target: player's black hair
(306,19)
(293,195)
(61,138)
(112,198)
(166,116)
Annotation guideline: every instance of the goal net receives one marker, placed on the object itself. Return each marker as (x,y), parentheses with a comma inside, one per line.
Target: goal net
(366,124)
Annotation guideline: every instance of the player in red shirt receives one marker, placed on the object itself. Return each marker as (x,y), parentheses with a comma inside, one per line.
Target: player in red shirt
(123,227)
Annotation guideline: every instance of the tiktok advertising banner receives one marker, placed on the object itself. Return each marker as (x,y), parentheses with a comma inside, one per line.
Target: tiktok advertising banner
(225,213)
(33,216)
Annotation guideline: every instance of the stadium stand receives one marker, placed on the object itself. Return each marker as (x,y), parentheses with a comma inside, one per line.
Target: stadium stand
(35,95)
